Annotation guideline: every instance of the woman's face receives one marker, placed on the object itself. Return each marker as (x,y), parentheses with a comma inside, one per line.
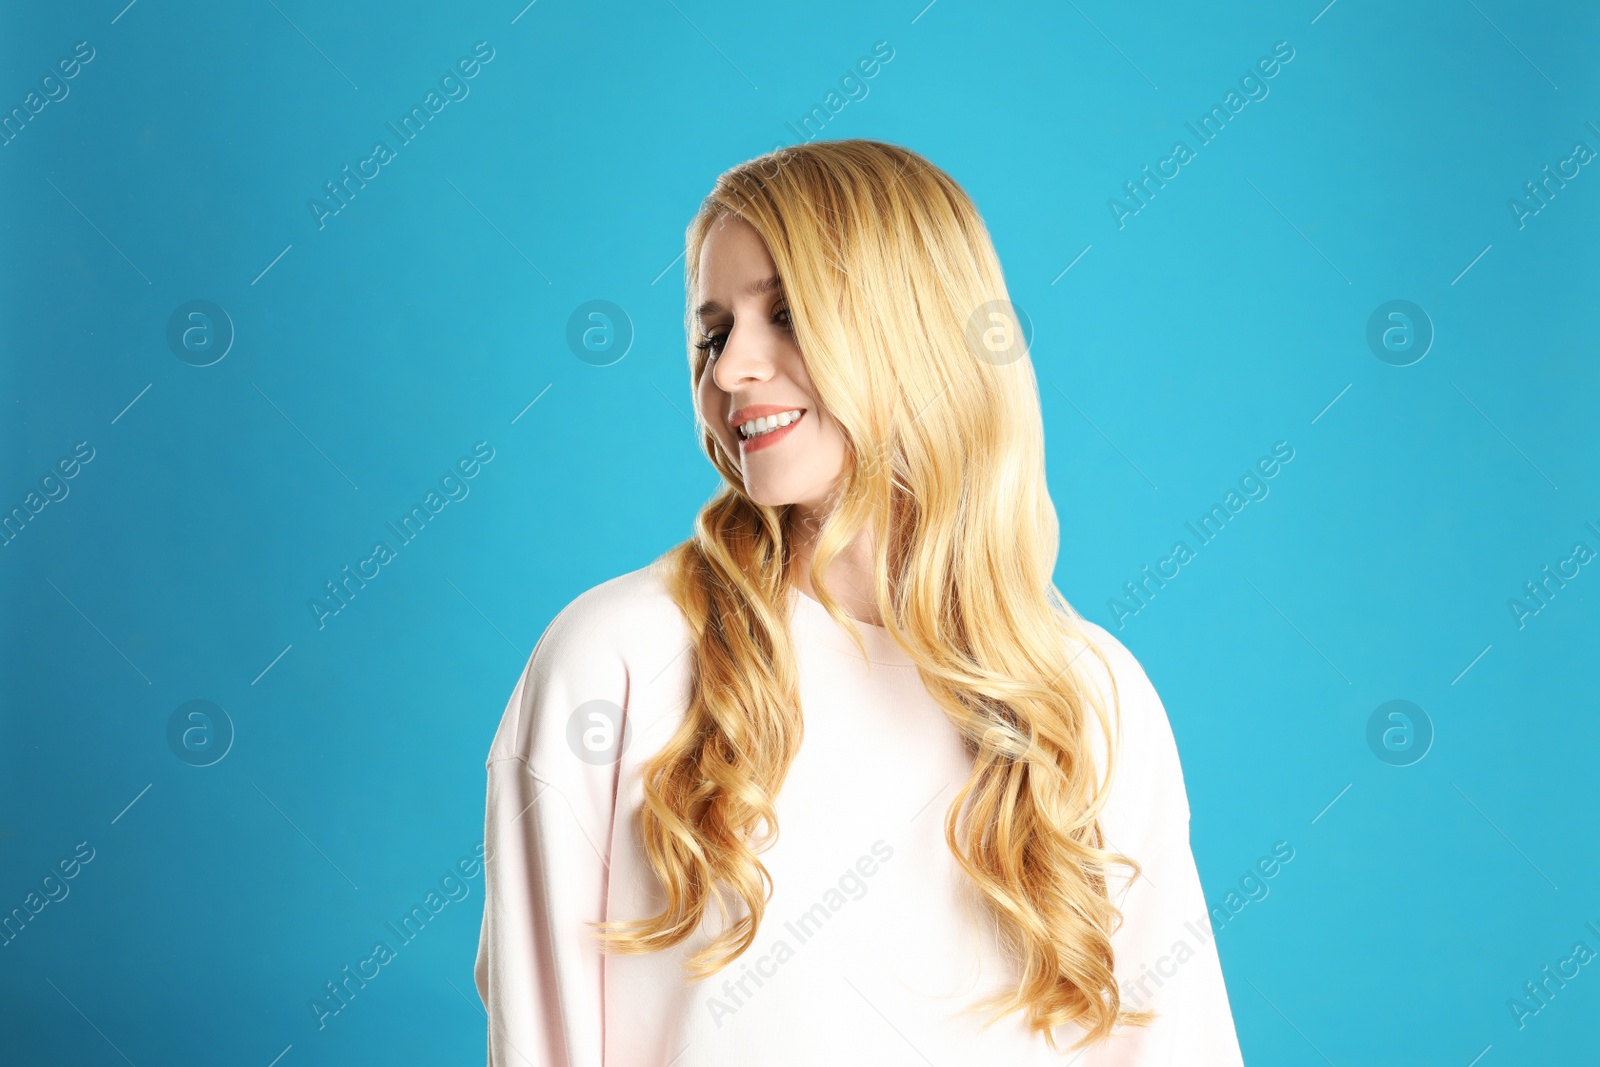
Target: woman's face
(754,368)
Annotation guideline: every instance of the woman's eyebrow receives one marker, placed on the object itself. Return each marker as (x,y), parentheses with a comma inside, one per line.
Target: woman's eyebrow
(765,285)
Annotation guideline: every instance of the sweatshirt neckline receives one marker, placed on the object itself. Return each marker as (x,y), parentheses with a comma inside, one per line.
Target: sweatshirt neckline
(880,644)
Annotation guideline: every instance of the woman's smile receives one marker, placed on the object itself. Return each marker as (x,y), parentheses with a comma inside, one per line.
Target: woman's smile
(767,430)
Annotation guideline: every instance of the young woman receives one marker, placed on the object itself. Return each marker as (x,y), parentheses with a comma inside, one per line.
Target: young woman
(843,778)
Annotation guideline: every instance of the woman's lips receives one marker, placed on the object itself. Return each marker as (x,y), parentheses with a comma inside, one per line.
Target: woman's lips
(767,440)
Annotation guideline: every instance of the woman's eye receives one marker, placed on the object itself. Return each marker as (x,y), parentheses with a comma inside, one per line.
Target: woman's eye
(712,344)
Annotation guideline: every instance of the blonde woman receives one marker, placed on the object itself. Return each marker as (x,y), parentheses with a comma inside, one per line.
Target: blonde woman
(842,778)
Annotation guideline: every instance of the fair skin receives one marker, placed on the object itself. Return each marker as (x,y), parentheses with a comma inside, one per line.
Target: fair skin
(755,359)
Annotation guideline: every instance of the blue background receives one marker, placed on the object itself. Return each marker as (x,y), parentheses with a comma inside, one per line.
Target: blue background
(431,313)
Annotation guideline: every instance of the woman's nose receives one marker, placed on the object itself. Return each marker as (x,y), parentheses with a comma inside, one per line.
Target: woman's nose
(741,362)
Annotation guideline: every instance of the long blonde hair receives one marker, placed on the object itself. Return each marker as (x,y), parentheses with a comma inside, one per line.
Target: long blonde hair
(901,312)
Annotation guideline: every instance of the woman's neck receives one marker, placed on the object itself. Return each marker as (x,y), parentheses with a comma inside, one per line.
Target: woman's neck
(848,577)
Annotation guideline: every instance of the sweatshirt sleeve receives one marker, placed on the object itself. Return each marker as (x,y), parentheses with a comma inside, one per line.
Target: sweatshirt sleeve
(1166,954)
(547,825)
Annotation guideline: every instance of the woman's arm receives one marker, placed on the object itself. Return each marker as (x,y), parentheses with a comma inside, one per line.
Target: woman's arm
(546,832)
(1166,954)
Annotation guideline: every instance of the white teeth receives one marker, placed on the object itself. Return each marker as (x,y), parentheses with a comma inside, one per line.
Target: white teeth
(768,423)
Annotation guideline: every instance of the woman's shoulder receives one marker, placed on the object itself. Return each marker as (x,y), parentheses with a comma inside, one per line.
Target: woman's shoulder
(633,612)
(1149,765)
(1125,668)
(604,644)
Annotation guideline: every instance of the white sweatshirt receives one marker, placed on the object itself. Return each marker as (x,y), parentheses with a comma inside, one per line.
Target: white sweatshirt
(873,941)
